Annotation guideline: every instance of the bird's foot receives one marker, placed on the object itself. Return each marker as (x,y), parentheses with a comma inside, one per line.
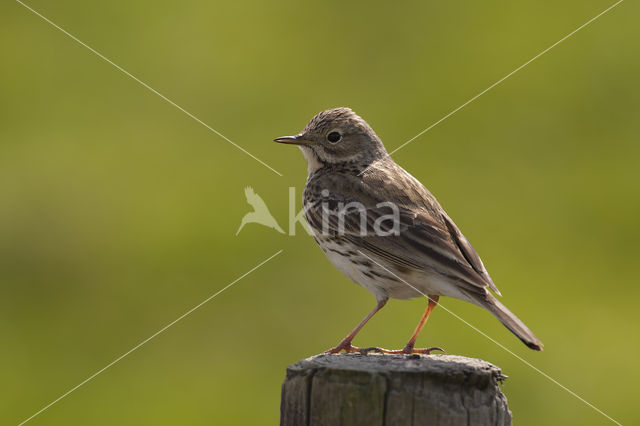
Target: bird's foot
(347,347)
(406,350)
(426,351)
(409,349)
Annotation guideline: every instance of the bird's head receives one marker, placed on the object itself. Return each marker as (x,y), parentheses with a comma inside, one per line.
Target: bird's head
(336,136)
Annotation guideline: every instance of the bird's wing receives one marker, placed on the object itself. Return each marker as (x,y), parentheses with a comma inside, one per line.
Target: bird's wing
(255,200)
(249,193)
(427,239)
(468,252)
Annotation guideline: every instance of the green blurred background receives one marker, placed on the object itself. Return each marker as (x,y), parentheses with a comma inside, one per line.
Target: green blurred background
(118,212)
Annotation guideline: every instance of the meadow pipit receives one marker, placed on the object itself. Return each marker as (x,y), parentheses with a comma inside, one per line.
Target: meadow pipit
(383,229)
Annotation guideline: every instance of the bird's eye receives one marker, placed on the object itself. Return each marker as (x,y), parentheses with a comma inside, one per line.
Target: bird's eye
(334,137)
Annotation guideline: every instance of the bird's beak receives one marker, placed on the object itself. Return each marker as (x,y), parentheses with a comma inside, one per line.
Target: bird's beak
(294,140)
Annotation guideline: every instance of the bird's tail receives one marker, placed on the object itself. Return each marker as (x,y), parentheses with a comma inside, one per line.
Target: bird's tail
(512,322)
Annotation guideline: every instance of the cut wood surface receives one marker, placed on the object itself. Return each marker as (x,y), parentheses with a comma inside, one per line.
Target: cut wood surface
(390,390)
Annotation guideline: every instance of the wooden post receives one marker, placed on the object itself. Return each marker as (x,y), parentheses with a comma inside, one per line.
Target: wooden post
(393,390)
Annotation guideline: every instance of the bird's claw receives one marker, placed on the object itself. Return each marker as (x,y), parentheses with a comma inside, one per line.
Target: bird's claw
(405,351)
(427,351)
(346,347)
(349,348)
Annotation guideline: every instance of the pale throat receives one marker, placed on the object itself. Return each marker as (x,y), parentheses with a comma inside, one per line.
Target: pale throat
(312,161)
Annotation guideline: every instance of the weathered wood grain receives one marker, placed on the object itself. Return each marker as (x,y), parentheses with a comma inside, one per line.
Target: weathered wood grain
(393,390)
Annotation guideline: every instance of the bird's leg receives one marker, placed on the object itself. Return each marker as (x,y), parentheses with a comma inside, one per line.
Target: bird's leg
(408,348)
(345,344)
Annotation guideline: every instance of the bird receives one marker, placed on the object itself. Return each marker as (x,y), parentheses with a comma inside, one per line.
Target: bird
(384,230)
(260,213)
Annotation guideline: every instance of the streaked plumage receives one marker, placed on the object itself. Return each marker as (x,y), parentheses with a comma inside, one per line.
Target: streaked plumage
(429,251)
